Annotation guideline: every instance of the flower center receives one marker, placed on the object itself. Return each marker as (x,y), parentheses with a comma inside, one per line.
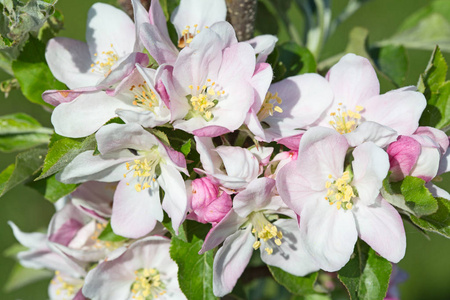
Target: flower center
(203,99)
(264,230)
(105,61)
(100,244)
(345,121)
(340,191)
(147,285)
(144,97)
(187,35)
(144,169)
(269,106)
(66,289)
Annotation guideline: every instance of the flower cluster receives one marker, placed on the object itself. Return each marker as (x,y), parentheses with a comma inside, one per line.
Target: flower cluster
(292,169)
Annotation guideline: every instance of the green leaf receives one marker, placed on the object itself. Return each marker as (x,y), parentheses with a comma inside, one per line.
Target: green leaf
(33,74)
(186,148)
(194,271)
(63,151)
(20,132)
(27,164)
(21,276)
(438,222)
(52,189)
(293,60)
(13,250)
(392,61)
(428,27)
(160,135)
(366,275)
(295,284)
(437,92)
(109,235)
(417,197)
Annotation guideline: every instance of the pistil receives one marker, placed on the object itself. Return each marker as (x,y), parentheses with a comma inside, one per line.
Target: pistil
(144,169)
(147,284)
(340,192)
(203,99)
(105,61)
(270,106)
(266,231)
(345,121)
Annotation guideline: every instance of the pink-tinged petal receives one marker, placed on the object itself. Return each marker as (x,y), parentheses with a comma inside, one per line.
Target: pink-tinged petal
(175,199)
(210,131)
(231,260)
(85,115)
(292,142)
(218,209)
(226,32)
(437,191)
(321,153)
(239,162)
(66,223)
(123,68)
(94,198)
(381,226)
(135,213)
(370,167)
(197,63)
(56,97)
(157,18)
(403,155)
(102,31)
(177,158)
(427,164)
(210,159)
(291,256)
(229,225)
(371,132)
(436,135)
(70,60)
(263,154)
(328,234)
(159,47)
(304,99)
(260,81)
(79,295)
(398,109)
(238,59)
(263,46)
(255,197)
(352,80)
(295,190)
(86,166)
(198,12)
(57,289)
(141,16)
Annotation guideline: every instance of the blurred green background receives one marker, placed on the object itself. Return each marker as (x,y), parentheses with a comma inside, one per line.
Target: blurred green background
(427,261)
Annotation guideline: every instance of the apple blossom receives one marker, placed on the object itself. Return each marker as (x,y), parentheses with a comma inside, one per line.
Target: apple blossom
(141,164)
(337,206)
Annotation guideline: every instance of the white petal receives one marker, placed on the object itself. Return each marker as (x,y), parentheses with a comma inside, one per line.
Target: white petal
(231,260)
(370,167)
(381,226)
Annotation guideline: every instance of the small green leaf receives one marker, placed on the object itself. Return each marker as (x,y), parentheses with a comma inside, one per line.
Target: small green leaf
(366,275)
(52,189)
(186,148)
(167,223)
(437,92)
(33,74)
(63,151)
(27,164)
(195,271)
(160,135)
(438,222)
(109,235)
(417,197)
(21,276)
(13,250)
(392,61)
(296,59)
(295,284)
(19,123)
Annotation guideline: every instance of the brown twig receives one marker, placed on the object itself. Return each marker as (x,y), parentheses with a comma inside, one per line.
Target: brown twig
(128,8)
(242,15)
